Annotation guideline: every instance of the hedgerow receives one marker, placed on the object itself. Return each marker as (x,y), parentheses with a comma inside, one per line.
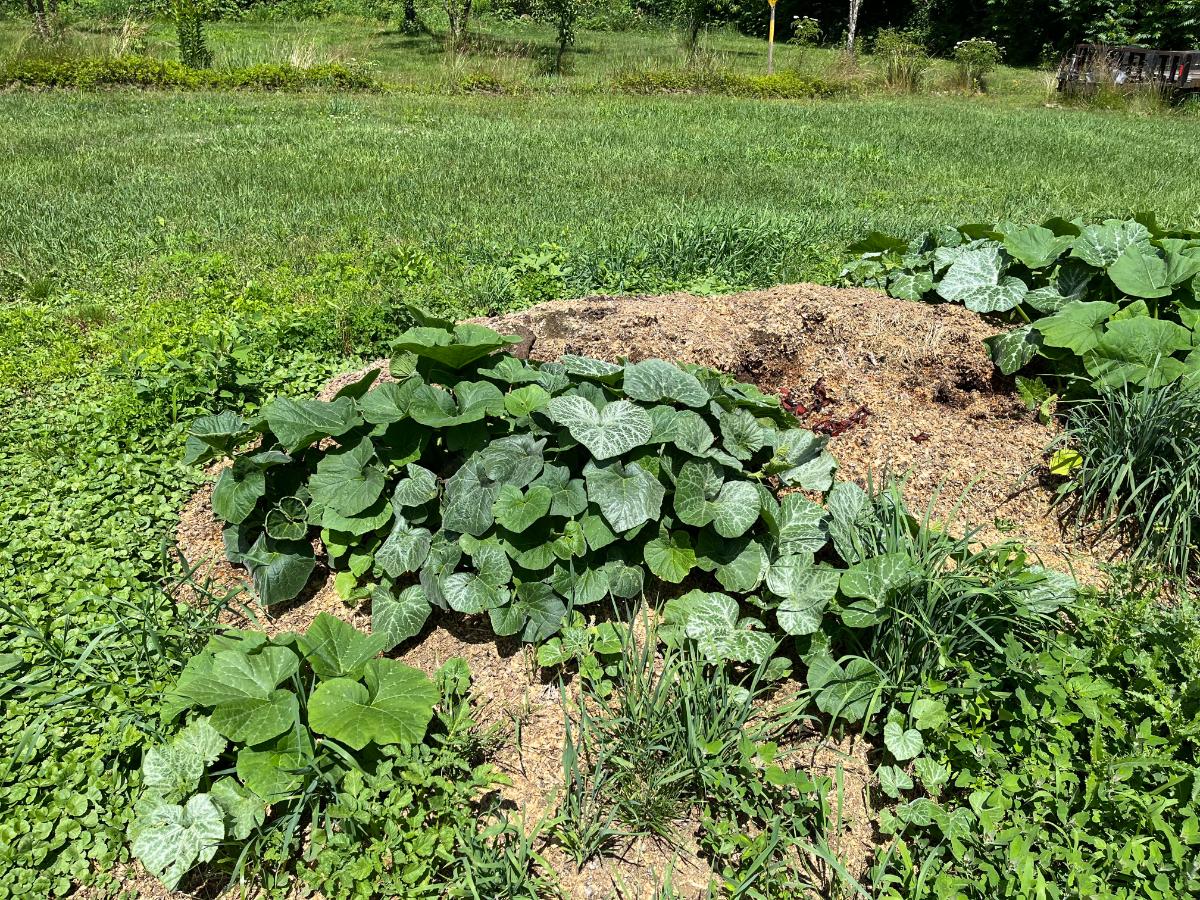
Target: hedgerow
(151,72)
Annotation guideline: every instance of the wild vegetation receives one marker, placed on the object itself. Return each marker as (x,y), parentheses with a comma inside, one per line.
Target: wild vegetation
(669,550)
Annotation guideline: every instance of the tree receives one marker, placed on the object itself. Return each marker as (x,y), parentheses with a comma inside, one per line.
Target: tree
(562,14)
(43,16)
(458,13)
(852,26)
(412,24)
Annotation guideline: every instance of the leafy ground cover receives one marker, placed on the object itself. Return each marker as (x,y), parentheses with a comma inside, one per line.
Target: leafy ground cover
(1104,305)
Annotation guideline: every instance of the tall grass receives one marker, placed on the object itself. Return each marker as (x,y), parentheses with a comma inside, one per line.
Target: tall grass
(1139,472)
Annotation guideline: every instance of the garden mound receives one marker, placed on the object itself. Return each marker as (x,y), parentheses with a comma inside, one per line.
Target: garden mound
(899,386)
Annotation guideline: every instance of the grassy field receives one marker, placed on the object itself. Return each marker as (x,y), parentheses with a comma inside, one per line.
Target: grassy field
(164,255)
(499,201)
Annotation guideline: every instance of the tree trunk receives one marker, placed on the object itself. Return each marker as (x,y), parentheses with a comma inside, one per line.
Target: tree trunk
(459,14)
(852,31)
(37,11)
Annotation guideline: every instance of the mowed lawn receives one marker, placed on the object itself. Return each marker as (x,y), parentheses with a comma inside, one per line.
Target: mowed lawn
(95,178)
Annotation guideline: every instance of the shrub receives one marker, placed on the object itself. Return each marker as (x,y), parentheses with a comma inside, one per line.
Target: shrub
(905,60)
(1132,460)
(189,25)
(806,31)
(974,60)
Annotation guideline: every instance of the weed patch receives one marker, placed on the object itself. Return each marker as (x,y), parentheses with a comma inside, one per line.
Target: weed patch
(149,72)
(689,80)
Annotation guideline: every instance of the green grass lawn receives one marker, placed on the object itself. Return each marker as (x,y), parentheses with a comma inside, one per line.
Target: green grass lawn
(104,192)
(163,254)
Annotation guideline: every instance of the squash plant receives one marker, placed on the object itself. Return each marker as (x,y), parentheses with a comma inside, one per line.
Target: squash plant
(1111,303)
(487,484)
(269,722)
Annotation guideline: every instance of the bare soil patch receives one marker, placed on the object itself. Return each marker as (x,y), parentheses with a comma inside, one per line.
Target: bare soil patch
(905,388)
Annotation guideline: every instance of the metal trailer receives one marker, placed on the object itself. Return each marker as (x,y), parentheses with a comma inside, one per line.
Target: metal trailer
(1175,72)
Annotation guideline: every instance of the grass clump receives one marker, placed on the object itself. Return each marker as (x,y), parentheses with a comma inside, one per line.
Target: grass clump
(679,736)
(905,59)
(919,605)
(1132,459)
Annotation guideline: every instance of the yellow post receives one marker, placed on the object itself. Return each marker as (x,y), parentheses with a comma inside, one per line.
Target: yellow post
(771,41)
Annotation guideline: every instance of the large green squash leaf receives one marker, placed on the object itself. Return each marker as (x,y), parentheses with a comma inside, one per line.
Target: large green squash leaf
(209,680)
(801,460)
(618,428)
(253,720)
(535,613)
(169,839)
(398,617)
(337,649)
(1146,273)
(300,423)
(389,402)
(976,279)
(454,349)
(1075,327)
(274,771)
(394,706)
(670,556)
(243,810)
(711,621)
(568,496)
(1013,350)
(741,434)
(470,494)
(1035,246)
(627,496)
(174,769)
(349,480)
(655,379)
(1138,351)
(701,498)
(801,525)
(1102,245)
(213,436)
(470,402)
(280,569)
(405,549)
(516,510)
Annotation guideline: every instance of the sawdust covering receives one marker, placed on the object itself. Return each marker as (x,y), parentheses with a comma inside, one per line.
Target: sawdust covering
(910,389)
